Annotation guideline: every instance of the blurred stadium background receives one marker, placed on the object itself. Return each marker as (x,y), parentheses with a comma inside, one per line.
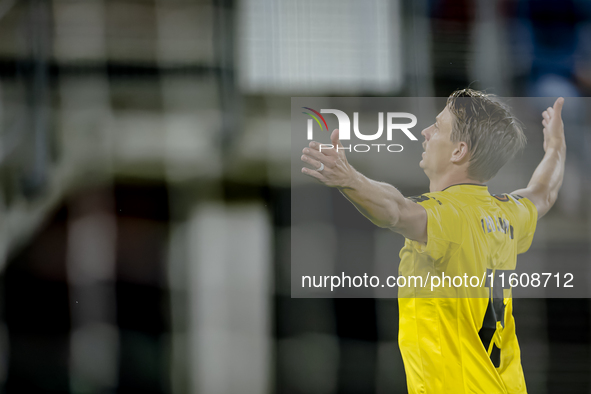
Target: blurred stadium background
(145,186)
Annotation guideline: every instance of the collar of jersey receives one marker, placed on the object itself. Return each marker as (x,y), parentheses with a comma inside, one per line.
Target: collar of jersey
(468,188)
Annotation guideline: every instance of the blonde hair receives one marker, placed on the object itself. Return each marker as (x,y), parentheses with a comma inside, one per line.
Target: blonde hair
(492,133)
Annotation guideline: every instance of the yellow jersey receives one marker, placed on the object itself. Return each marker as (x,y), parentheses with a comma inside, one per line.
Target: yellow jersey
(461,339)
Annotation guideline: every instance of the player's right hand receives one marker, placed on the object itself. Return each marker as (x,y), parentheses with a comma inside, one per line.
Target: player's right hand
(553,126)
(337,171)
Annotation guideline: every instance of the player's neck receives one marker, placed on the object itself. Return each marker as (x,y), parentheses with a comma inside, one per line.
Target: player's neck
(445,181)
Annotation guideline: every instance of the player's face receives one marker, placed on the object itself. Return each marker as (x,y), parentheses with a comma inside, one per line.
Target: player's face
(437,145)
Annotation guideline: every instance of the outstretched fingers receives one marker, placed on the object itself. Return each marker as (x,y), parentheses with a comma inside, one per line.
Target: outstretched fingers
(315,154)
(312,173)
(324,149)
(558,106)
(335,139)
(550,112)
(328,162)
(313,162)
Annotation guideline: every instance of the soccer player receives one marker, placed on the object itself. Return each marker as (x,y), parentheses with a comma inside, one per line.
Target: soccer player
(458,344)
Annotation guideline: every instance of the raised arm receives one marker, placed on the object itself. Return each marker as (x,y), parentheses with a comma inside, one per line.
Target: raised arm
(543,187)
(380,202)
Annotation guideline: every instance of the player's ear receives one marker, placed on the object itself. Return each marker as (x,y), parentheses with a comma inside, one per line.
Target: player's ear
(460,153)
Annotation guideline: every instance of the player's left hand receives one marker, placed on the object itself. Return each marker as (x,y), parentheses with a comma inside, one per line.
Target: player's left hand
(553,126)
(337,171)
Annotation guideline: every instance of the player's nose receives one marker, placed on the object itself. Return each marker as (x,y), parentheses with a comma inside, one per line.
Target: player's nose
(426,133)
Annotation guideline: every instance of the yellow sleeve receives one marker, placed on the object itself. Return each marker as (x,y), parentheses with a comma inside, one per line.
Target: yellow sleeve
(444,231)
(526,218)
